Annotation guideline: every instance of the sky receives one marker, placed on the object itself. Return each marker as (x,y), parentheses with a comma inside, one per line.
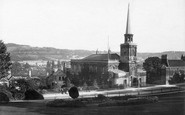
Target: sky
(157,25)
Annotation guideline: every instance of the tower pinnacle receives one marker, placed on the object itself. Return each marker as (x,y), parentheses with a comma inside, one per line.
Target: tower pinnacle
(128,29)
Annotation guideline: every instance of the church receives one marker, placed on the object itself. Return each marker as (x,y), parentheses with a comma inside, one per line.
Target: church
(111,69)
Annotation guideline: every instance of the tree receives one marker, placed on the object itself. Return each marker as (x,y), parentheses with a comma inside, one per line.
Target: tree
(178,77)
(152,65)
(85,86)
(58,64)
(26,67)
(16,68)
(95,84)
(75,79)
(48,67)
(5,61)
(53,64)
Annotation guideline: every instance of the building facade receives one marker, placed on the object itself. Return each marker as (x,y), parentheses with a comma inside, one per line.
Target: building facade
(95,67)
(56,80)
(169,67)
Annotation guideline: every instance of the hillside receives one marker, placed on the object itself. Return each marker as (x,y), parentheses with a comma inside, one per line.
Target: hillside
(25,52)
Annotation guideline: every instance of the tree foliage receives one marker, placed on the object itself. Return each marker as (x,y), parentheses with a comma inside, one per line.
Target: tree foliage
(75,80)
(19,69)
(16,68)
(152,65)
(95,84)
(178,77)
(5,61)
(26,67)
(58,64)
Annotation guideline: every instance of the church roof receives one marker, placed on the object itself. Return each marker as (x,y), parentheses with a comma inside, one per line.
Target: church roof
(101,57)
(176,63)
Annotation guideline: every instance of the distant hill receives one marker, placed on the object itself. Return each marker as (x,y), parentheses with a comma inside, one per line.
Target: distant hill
(170,54)
(26,52)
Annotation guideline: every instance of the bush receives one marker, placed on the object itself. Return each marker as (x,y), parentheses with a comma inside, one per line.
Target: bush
(101,97)
(73,92)
(65,103)
(32,94)
(3,98)
(19,96)
(126,97)
(43,91)
(121,86)
(131,101)
(6,91)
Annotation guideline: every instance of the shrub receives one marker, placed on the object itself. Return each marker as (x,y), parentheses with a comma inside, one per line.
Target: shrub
(43,91)
(101,97)
(19,96)
(3,98)
(6,91)
(126,97)
(65,103)
(121,86)
(32,94)
(130,101)
(73,92)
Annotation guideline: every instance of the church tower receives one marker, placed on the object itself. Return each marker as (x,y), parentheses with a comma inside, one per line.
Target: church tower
(128,50)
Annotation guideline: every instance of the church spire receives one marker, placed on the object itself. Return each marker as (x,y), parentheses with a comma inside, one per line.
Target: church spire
(128,29)
(128,34)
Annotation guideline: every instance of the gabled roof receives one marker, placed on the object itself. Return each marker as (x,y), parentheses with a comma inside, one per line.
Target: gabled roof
(176,63)
(101,57)
(59,72)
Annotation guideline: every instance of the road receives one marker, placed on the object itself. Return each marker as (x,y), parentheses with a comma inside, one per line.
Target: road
(159,89)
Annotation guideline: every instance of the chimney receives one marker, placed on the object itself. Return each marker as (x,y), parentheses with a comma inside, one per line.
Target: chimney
(164,60)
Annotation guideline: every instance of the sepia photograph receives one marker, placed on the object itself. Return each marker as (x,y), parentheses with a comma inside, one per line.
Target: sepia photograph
(92,57)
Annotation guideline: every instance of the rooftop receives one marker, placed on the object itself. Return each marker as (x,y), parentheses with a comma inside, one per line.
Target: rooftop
(176,63)
(99,57)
